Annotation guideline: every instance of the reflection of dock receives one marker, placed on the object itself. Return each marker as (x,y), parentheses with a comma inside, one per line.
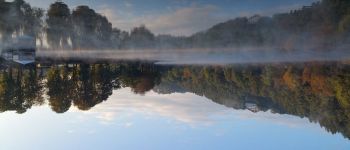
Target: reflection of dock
(21,56)
(21,50)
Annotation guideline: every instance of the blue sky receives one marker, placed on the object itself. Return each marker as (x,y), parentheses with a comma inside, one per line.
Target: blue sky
(133,122)
(178,17)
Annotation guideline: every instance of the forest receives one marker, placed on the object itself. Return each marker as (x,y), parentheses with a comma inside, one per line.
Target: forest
(317,91)
(324,25)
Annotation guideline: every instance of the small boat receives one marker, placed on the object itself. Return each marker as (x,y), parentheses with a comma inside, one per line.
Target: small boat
(252,107)
(21,50)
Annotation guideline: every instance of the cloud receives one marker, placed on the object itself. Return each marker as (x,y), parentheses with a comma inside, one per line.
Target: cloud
(186,108)
(181,21)
(128,124)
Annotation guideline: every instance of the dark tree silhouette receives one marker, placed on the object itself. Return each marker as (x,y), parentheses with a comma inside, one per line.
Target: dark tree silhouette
(19,91)
(59,90)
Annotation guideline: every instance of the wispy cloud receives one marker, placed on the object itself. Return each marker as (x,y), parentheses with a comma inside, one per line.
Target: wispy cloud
(186,108)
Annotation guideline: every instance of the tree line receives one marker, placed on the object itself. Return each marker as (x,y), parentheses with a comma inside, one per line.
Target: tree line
(80,85)
(318,91)
(322,25)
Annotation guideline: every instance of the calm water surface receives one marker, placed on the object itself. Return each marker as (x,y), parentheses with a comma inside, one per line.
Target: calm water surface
(145,106)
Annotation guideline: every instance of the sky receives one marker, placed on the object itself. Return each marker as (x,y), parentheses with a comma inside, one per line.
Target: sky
(132,122)
(178,17)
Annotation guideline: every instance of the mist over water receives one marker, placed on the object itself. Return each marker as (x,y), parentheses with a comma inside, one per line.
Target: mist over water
(198,56)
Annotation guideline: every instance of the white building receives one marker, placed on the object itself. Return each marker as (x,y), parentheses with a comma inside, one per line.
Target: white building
(252,107)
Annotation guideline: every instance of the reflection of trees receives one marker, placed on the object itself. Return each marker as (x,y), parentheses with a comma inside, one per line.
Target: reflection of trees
(316,91)
(58,25)
(140,37)
(323,25)
(91,29)
(19,18)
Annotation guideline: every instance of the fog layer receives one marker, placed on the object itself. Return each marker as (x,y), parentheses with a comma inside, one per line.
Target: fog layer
(198,56)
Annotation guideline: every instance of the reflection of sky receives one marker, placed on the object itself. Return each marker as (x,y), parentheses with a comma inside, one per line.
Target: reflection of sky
(175,121)
(180,17)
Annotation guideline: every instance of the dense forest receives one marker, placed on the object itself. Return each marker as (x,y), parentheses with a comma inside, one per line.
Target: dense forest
(84,85)
(316,91)
(322,25)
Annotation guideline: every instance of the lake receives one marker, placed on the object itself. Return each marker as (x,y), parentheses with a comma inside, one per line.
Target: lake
(174,74)
(138,105)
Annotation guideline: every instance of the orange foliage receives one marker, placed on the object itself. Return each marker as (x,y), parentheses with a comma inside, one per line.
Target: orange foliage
(187,73)
(317,81)
(290,80)
(306,77)
(320,85)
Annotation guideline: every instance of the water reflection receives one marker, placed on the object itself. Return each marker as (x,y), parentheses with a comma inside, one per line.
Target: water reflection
(317,91)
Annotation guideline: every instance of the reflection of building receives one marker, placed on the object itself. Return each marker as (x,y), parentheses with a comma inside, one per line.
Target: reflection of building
(307,7)
(254,19)
(20,50)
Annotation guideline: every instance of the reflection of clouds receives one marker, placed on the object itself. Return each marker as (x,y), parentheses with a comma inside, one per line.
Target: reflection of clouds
(187,108)
(181,21)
